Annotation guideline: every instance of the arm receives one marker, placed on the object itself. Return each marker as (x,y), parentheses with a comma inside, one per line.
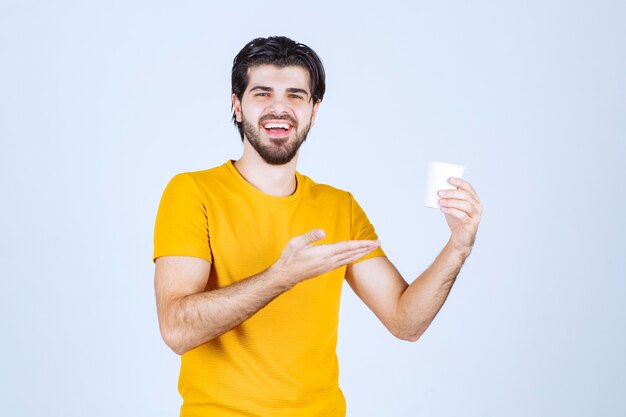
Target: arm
(407,310)
(190,316)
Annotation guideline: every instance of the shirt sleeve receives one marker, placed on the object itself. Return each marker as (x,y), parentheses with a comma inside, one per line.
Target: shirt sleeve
(362,229)
(181,227)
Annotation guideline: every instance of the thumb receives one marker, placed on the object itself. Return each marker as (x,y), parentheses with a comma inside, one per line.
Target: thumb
(313,236)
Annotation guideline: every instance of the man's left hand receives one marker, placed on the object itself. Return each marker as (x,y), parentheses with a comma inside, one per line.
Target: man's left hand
(463,211)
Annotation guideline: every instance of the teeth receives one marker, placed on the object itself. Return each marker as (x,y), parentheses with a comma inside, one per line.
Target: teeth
(277,125)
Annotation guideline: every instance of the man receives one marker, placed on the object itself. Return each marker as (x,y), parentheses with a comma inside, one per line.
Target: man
(251,255)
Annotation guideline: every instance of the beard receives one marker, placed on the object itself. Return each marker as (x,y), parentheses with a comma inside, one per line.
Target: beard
(278,151)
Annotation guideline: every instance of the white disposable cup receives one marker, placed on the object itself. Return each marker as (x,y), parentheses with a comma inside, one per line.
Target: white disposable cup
(437,179)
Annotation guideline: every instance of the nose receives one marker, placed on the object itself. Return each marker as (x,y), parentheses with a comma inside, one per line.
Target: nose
(278,106)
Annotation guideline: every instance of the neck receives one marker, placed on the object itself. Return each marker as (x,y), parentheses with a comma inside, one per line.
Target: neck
(274,180)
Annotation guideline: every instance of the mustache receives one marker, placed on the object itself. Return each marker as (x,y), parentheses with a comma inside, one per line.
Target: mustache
(273,116)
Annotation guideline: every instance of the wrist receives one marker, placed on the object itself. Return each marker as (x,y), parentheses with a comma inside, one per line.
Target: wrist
(459,249)
(281,275)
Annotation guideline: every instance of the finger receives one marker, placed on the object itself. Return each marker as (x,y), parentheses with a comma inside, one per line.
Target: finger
(457,194)
(334,255)
(463,205)
(348,257)
(312,236)
(347,245)
(463,185)
(462,195)
(347,254)
(459,214)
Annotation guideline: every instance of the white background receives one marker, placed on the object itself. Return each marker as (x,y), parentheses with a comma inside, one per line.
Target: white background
(101,103)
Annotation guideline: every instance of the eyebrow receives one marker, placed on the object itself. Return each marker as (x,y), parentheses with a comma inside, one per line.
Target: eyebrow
(260,87)
(298,90)
(289,90)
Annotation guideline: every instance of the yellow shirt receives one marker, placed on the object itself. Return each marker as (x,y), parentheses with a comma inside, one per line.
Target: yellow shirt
(281,361)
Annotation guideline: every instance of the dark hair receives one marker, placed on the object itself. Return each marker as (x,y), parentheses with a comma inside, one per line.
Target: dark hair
(281,52)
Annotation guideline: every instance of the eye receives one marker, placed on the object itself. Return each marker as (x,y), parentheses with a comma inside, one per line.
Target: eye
(295,96)
(262,94)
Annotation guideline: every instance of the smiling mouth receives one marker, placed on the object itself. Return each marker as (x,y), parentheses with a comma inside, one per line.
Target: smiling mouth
(276,130)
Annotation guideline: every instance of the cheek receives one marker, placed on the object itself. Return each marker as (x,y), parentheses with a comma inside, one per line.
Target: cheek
(252,110)
(249,114)
(303,113)
(305,118)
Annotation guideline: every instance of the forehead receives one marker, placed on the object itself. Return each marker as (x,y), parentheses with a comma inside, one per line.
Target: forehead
(277,77)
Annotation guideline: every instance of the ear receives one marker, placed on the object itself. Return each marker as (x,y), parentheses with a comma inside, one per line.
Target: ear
(237,108)
(314,112)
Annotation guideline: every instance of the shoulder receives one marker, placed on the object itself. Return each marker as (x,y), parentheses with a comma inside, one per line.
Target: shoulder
(326,191)
(199,180)
(207,175)
(335,196)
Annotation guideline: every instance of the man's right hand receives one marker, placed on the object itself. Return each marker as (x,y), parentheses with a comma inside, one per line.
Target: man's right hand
(301,260)
(189,315)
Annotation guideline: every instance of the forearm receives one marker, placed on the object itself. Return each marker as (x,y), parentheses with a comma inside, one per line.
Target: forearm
(422,300)
(198,318)
(189,316)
